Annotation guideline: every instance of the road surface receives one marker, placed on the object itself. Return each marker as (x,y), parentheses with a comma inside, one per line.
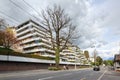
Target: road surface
(83,74)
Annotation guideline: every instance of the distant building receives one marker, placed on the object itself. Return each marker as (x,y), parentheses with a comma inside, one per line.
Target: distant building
(117,62)
(73,54)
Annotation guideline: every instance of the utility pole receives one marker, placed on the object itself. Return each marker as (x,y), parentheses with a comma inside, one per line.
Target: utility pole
(76,58)
(95,56)
(94,52)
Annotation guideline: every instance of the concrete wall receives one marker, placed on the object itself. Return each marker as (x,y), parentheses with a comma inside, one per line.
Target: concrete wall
(13,66)
(11,63)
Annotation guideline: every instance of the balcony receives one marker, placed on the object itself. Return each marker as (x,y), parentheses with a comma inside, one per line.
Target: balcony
(48,55)
(34,50)
(40,31)
(36,44)
(30,40)
(46,40)
(23,32)
(52,51)
(69,54)
(32,45)
(71,60)
(71,57)
(26,36)
(23,27)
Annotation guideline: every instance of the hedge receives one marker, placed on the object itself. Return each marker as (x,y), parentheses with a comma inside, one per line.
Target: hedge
(6,51)
(54,68)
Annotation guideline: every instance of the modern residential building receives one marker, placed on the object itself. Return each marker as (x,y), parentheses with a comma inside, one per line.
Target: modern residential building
(73,54)
(34,39)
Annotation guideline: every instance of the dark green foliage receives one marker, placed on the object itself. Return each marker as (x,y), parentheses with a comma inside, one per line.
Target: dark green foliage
(108,62)
(99,60)
(86,53)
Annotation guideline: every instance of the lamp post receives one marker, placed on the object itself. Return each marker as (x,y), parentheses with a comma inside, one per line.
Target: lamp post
(75,62)
(75,58)
(95,56)
(94,53)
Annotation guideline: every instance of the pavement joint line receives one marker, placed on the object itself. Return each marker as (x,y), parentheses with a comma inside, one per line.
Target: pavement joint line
(102,75)
(45,78)
(67,74)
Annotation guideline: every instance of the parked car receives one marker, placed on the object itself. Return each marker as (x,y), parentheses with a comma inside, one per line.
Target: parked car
(96,68)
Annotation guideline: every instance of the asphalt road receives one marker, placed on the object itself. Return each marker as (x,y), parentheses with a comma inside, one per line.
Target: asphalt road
(84,74)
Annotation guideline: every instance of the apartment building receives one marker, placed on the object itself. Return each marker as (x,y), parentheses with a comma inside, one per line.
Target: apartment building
(73,54)
(34,38)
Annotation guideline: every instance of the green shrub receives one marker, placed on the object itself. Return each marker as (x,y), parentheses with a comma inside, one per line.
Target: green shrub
(54,68)
(84,66)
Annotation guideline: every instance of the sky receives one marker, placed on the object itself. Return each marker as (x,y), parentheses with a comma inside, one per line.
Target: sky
(97,20)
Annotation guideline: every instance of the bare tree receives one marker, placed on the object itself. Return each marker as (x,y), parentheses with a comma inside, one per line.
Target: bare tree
(59,25)
(7,38)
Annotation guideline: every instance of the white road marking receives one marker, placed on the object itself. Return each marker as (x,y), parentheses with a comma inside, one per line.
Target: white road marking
(45,78)
(101,75)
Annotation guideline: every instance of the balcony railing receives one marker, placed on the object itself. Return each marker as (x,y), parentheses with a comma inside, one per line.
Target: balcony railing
(35,44)
(23,32)
(32,45)
(48,55)
(34,50)
(29,40)
(43,33)
(23,27)
(28,35)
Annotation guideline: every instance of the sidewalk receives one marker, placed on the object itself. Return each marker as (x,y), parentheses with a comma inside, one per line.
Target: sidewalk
(23,73)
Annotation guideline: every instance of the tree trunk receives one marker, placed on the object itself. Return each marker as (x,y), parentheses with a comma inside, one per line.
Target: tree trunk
(57,59)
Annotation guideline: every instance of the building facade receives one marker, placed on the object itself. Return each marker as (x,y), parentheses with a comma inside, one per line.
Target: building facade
(34,39)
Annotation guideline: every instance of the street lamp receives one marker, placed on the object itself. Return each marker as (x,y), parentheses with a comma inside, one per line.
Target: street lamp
(94,53)
(75,58)
(75,62)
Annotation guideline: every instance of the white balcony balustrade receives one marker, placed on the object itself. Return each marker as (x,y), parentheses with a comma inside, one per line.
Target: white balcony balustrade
(23,27)
(36,44)
(24,32)
(30,40)
(48,55)
(26,36)
(35,50)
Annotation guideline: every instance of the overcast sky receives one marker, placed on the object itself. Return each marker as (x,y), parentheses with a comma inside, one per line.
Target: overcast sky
(97,20)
